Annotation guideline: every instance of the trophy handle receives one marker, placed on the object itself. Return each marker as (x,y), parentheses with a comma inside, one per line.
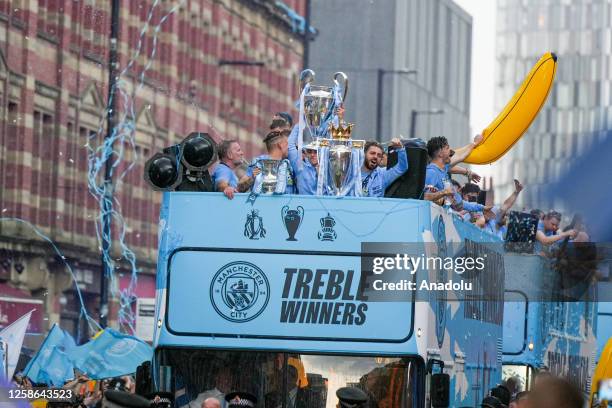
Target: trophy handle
(306,77)
(300,210)
(341,80)
(284,212)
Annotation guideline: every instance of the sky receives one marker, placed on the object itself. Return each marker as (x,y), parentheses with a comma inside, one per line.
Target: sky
(482,105)
(482,90)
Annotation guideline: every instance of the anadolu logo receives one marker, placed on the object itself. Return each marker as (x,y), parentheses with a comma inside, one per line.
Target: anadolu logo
(239,291)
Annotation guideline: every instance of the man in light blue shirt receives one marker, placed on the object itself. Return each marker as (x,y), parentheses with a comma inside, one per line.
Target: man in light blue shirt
(459,204)
(491,219)
(224,177)
(277,146)
(547,235)
(306,175)
(375,179)
(437,183)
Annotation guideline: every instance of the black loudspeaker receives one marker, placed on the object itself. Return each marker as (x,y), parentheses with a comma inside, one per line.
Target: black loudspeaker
(184,166)
(411,183)
(196,181)
(440,390)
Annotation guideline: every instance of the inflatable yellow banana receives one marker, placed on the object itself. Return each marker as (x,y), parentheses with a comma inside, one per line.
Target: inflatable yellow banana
(603,369)
(514,120)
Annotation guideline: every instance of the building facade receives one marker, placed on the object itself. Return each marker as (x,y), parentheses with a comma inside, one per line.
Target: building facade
(577,112)
(378,40)
(53,93)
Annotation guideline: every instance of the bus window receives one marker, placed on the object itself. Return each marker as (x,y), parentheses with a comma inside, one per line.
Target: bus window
(290,380)
(522,375)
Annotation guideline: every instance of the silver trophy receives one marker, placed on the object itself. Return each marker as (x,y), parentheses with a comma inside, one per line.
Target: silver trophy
(333,136)
(269,172)
(319,101)
(339,161)
(340,150)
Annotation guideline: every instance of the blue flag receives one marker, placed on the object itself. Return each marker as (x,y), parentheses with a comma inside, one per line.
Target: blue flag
(58,369)
(51,364)
(111,354)
(2,365)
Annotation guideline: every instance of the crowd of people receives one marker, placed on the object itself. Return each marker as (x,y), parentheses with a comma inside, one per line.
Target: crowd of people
(81,392)
(548,391)
(232,175)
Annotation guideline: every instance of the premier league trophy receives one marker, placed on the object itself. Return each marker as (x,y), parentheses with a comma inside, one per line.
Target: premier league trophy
(340,157)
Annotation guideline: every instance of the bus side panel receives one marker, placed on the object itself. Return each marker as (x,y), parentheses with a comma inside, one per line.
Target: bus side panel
(465,334)
(559,336)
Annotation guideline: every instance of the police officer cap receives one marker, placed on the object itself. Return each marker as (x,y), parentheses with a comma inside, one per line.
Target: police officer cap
(241,399)
(122,399)
(351,396)
(491,402)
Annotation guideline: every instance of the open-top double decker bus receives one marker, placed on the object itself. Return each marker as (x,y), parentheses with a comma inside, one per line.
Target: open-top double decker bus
(269,297)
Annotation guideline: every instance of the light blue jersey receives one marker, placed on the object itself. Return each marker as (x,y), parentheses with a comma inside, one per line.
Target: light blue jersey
(223,173)
(375,182)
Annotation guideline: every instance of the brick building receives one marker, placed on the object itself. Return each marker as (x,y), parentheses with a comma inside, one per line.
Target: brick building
(53,87)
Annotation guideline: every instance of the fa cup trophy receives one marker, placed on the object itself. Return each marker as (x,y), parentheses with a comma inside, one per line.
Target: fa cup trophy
(269,171)
(340,157)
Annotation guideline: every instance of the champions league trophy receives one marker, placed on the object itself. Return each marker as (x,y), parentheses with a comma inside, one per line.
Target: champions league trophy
(317,101)
(340,157)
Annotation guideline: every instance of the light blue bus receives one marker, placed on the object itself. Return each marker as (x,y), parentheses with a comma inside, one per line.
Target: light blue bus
(267,297)
(553,335)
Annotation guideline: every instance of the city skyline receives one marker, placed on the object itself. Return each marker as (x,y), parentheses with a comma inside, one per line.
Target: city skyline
(575,115)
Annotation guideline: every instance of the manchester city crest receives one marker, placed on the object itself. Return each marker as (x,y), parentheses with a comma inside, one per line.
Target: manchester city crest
(441,303)
(239,291)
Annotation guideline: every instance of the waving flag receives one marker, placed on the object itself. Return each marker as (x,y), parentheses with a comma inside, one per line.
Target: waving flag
(13,335)
(58,369)
(2,360)
(51,364)
(111,354)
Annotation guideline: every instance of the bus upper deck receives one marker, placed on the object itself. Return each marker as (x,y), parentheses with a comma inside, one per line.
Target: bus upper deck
(262,287)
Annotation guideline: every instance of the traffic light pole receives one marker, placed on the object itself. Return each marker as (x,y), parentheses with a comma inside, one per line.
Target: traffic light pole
(107,202)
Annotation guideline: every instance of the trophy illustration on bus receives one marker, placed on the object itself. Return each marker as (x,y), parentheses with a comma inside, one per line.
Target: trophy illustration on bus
(340,156)
(292,220)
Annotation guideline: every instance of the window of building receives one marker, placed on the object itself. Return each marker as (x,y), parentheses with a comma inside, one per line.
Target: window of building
(95,27)
(43,163)
(11,177)
(15,9)
(86,206)
(442,58)
(49,13)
